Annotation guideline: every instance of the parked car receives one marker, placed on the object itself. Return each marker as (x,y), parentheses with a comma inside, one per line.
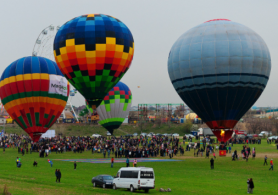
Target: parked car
(143,134)
(135,178)
(159,135)
(249,135)
(189,136)
(266,133)
(151,135)
(103,181)
(167,135)
(175,135)
(135,134)
(108,133)
(255,135)
(96,135)
(241,136)
(273,137)
(128,135)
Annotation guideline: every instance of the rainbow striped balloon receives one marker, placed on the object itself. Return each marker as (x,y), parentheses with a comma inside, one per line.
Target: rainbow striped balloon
(34,92)
(115,107)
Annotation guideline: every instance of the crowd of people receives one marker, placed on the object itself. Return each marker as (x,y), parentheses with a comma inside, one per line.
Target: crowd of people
(121,147)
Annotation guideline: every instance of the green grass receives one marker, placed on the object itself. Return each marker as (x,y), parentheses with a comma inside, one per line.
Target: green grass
(88,130)
(190,176)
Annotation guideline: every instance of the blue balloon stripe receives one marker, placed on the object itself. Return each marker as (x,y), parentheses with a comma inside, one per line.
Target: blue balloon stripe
(216,75)
(233,84)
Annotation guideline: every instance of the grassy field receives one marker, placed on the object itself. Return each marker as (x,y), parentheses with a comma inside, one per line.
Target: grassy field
(190,176)
(88,130)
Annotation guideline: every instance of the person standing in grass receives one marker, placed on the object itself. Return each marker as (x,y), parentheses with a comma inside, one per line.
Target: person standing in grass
(248,186)
(112,162)
(104,153)
(170,153)
(214,154)
(56,175)
(211,163)
(135,163)
(253,153)
(127,162)
(271,164)
(251,185)
(75,165)
(265,160)
(59,175)
(207,154)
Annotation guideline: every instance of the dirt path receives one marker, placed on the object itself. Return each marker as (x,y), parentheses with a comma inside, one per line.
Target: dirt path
(229,155)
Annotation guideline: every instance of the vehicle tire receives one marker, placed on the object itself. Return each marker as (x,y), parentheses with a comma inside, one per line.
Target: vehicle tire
(103,185)
(114,187)
(95,185)
(146,190)
(131,188)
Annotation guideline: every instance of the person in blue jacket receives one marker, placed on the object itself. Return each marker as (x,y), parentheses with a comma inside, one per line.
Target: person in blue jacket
(127,162)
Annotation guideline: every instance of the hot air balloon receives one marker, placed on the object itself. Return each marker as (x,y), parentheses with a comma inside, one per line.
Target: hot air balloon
(219,69)
(94,52)
(115,107)
(88,107)
(34,92)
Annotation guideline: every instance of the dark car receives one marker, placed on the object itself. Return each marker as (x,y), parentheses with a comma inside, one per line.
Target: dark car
(249,136)
(103,180)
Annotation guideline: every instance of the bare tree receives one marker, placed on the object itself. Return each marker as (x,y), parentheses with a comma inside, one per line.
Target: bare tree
(253,125)
(158,121)
(275,125)
(267,125)
(239,126)
(142,124)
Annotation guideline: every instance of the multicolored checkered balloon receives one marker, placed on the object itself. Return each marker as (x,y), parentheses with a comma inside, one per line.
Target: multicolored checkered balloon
(34,92)
(115,107)
(94,52)
(88,107)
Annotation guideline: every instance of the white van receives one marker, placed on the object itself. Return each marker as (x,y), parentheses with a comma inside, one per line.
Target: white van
(135,178)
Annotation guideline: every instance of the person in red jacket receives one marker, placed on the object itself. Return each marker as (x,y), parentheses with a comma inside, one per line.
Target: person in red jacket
(271,164)
(112,162)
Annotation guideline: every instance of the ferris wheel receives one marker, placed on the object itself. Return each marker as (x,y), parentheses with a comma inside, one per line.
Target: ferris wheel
(44,44)
(44,47)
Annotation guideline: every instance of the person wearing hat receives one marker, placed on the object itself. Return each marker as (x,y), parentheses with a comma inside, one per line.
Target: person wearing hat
(271,164)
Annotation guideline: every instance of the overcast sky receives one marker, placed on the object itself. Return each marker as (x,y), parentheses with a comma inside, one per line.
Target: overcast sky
(155,25)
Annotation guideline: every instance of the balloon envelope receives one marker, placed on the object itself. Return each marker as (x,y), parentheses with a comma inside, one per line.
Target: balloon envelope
(93,52)
(34,92)
(219,68)
(88,107)
(115,107)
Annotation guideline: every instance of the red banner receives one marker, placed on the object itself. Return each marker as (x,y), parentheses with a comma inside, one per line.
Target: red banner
(222,152)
